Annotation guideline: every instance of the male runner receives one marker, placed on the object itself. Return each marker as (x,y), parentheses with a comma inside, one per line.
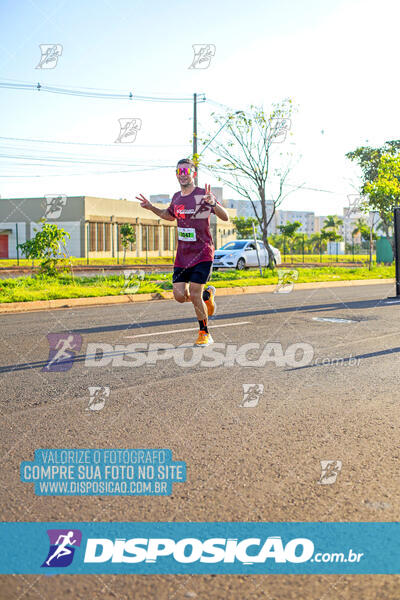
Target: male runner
(191,207)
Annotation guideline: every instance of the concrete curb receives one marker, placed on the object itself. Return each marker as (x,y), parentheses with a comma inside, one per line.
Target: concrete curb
(14,307)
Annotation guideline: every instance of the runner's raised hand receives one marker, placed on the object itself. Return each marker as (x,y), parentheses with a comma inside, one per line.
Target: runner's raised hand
(209,196)
(144,203)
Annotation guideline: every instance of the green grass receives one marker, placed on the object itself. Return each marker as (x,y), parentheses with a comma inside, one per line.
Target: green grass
(310,258)
(25,289)
(316,258)
(23,262)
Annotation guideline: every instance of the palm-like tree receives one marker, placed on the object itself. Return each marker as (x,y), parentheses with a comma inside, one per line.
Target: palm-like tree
(332,222)
(361,227)
(318,241)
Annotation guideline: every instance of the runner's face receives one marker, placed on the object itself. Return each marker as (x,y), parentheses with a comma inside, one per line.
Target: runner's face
(185,180)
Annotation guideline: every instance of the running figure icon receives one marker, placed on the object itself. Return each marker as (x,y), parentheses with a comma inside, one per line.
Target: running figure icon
(62,549)
(63,347)
(63,545)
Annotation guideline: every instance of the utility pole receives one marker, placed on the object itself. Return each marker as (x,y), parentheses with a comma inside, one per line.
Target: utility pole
(195,133)
(396,233)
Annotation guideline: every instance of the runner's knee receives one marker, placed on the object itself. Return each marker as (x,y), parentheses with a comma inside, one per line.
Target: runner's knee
(181,296)
(196,296)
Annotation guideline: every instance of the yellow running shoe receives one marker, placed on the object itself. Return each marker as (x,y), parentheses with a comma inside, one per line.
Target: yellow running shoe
(204,339)
(210,303)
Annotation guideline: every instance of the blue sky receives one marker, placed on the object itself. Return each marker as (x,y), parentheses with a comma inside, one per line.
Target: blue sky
(336,60)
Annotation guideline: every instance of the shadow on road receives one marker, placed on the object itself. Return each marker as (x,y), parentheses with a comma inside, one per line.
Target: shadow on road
(357,305)
(334,306)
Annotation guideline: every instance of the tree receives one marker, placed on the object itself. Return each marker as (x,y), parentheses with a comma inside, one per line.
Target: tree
(332,223)
(128,236)
(246,148)
(329,230)
(45,246)
(330,235)
(319,242)
(361,227)
(367,234)
(376,165)
(384,191)
(289,231)
(369,159)
(244,227)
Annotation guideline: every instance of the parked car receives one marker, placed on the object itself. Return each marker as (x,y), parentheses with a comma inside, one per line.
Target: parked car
(242,254)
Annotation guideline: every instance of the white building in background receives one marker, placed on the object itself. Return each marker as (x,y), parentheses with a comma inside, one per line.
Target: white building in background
(306,218)
(244,208)
(218,193)
(349,224)
(319,221)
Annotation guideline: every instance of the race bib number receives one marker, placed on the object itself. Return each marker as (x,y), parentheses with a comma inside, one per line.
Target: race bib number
(186,234)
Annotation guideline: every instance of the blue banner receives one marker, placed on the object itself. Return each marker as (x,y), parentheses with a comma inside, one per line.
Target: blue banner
(200,548)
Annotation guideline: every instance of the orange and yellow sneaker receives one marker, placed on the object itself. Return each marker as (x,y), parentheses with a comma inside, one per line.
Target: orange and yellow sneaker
(204,339)
(210,303)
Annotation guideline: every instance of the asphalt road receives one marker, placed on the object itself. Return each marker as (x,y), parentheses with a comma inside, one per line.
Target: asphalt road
(244,463)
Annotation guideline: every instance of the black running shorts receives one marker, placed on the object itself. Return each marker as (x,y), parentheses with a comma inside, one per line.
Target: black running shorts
(199,273)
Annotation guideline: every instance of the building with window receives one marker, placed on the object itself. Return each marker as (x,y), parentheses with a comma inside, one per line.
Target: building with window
(306,218)
(94,225)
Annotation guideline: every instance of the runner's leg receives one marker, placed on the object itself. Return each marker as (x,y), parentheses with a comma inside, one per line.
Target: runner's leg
(181,292)
(196,296)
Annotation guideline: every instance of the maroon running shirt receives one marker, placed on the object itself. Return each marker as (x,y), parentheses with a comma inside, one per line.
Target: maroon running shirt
(192,213)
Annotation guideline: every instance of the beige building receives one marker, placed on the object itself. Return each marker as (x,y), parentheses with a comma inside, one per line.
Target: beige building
(94,226)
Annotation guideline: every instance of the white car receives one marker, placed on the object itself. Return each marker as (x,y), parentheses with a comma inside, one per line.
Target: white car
(242,254)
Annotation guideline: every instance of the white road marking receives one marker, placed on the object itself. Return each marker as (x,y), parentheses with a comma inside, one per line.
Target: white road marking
(392,301)
(334,320)
(188,329)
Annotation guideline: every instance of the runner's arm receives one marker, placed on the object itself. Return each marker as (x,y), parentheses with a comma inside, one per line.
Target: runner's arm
(160,212)
(221,212)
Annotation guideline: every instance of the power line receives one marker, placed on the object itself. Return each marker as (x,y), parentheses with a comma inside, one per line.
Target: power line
(74,160)
(113,145)
(85,92)
(87,173)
